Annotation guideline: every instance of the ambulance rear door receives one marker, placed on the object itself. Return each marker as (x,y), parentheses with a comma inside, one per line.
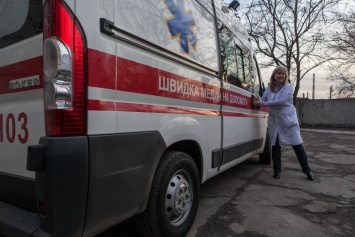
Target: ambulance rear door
(21,96)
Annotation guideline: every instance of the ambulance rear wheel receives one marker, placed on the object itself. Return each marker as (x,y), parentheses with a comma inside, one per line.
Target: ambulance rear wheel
(265,157)
(173,199)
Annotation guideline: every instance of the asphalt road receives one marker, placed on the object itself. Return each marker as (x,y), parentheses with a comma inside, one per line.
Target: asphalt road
(246,201)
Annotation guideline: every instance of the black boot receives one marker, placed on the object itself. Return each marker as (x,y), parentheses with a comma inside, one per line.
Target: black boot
(276,159)
(302,159)
(310,176)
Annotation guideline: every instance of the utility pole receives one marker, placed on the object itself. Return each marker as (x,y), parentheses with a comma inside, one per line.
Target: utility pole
(330,92)
(313,87)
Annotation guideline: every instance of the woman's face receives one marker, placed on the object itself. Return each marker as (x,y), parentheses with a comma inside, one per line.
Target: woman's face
(280,77)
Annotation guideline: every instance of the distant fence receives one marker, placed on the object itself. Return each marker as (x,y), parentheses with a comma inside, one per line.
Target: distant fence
(329,112)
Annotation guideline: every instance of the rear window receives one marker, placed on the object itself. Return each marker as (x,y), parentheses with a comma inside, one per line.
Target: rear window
(19,20)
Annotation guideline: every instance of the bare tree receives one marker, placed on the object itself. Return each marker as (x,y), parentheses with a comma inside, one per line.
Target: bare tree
(342,45)
(290,33)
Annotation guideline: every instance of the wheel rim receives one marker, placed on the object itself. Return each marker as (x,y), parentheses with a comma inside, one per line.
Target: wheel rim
(179,198)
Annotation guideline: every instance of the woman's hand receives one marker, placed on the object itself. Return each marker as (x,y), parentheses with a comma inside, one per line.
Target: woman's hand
(256,102)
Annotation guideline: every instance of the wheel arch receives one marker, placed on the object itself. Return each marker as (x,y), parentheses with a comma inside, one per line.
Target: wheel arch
(193,149)
(186,134)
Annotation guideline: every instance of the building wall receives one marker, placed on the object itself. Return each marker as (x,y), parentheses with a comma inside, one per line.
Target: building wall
(333,112)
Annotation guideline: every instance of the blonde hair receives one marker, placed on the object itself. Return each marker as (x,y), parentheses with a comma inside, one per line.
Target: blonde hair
(272,82)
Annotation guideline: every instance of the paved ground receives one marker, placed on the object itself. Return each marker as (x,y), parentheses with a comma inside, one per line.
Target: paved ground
(246,201)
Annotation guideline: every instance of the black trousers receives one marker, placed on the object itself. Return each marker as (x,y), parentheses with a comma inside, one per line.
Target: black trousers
(299,151)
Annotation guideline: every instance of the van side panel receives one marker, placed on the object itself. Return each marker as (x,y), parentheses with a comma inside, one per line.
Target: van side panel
(126,88)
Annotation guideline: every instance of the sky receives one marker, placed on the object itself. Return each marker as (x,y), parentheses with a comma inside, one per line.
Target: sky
(321,85)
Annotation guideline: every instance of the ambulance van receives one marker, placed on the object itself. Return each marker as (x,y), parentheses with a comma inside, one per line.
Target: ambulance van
(114,109)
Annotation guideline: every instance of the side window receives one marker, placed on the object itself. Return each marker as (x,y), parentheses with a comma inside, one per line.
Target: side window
(247,65)
(231,58)
(259,85)
(19,20)
(240,65)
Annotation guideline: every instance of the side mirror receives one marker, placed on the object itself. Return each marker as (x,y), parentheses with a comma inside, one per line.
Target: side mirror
(234,5)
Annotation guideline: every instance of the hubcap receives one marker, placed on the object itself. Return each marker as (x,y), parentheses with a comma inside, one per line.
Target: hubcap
(179,198)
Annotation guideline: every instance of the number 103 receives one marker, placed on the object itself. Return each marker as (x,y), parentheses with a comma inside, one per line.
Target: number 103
(12,128)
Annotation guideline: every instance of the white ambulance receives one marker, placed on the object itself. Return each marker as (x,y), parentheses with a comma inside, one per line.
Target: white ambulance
(111,109)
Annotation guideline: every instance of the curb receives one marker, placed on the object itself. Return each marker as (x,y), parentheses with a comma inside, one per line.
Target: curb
(328,131)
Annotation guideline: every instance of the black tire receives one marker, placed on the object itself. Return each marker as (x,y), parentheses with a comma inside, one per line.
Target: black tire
(176,181)
(265,157)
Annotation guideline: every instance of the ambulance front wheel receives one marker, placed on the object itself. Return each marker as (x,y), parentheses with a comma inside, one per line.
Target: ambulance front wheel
(173,199)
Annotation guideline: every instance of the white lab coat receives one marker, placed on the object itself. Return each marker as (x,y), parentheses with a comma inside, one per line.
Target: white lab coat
(282,116)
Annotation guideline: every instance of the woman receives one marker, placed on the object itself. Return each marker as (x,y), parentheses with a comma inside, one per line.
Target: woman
(283,123)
